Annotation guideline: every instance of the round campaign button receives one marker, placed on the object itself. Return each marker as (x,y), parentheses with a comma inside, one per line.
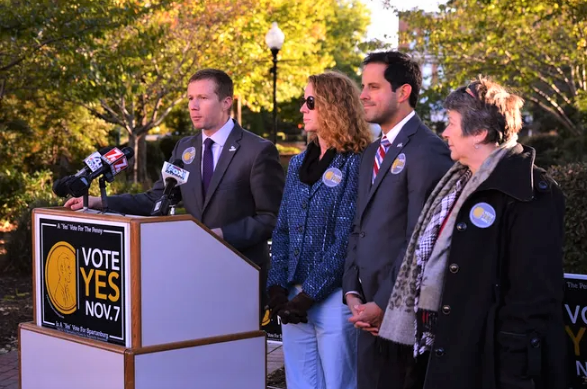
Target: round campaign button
(398,164)
(188,155)
(482,215)
(332,177)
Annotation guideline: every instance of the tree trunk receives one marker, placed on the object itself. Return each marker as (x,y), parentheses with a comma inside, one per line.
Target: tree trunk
(138,169)
(132,168)
(141,159)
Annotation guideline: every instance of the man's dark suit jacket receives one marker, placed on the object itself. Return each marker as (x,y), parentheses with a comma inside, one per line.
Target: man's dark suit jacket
(388,210)
(243,197)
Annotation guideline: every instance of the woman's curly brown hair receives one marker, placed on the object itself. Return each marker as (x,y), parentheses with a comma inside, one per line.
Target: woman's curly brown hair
(341,118)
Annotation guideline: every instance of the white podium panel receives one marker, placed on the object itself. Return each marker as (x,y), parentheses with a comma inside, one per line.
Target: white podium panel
(227,365)
(180,300)
(48,362)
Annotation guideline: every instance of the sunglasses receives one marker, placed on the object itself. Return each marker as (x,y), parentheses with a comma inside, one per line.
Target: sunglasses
(471,91)
(310,102)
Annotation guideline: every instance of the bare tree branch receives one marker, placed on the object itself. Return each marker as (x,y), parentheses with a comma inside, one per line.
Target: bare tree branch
(553,113)
(156,107)
(98,114)
(166,111)
(555,89)
(556,110)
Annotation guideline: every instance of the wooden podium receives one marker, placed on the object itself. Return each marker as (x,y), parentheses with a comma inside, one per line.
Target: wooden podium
(139,303)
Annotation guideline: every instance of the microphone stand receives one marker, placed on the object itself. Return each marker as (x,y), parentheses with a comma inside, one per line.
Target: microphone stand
(174,199)
(86,201)
(102,182)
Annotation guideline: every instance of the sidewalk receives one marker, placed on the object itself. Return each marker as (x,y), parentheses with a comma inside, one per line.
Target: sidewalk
(274,357)
(9,365)
(9,370)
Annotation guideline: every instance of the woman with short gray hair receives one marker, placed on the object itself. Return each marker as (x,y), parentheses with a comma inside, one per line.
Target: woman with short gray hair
(481,284)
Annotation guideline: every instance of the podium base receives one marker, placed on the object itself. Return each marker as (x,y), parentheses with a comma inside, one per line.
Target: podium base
(51,359)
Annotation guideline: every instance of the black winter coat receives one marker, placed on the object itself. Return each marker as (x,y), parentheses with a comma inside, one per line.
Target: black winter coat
(500,324)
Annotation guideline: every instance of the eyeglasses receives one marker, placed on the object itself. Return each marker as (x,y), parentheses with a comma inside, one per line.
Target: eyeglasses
(310,102)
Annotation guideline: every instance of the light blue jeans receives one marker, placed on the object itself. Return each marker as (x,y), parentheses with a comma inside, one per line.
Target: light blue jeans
(322,353)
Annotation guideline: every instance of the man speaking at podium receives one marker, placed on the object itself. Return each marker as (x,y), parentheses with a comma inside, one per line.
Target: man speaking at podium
(235,182)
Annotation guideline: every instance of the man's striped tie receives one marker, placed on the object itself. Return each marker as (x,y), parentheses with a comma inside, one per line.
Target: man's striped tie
(383,147)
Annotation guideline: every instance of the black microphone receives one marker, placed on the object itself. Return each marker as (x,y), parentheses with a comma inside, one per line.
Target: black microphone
(175,196)
(91,163)
(61,186)
(174,175)
(111,162)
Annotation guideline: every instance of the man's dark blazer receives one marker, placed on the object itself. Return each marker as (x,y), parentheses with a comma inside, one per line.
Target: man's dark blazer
(243,197)
(387,212)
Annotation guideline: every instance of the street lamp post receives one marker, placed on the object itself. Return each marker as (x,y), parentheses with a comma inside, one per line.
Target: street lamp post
(274,40)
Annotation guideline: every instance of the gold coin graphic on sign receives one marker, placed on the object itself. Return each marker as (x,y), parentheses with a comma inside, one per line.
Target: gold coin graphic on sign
(266,318)
(60,277)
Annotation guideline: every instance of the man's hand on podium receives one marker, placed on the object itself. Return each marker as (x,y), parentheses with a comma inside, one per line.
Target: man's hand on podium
(76,203)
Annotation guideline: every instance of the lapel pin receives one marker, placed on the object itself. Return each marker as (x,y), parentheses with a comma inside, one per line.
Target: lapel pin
(232,148)
(400,145)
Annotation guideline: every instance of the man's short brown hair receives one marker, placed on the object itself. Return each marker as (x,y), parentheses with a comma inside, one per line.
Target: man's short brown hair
(224,85)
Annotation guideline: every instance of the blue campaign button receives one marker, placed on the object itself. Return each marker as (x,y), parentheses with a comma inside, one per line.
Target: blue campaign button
(332,177)
(482,215)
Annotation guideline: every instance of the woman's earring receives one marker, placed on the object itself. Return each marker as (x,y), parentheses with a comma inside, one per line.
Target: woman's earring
(477,145)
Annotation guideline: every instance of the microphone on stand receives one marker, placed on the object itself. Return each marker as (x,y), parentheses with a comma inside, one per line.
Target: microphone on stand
(173,175)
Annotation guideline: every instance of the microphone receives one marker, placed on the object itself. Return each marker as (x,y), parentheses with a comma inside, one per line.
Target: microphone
(174,175)
(91,163)
(113,162)
(61,186)
(109,161)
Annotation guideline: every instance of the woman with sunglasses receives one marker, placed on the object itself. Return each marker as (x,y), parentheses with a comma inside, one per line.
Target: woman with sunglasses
(481,284)
(310,239)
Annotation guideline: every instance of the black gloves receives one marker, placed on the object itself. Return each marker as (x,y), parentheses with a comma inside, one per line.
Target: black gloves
(296,310)
(277,299)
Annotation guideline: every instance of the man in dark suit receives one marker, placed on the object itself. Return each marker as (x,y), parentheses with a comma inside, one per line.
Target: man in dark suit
(236,181)
(397,174)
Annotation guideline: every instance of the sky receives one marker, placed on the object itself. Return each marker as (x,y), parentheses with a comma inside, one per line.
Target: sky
(384,22)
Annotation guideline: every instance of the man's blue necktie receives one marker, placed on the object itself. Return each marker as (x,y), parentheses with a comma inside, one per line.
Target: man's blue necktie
(207,165)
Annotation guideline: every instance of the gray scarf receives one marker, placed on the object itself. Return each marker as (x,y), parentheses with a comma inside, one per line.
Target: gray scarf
(420,280)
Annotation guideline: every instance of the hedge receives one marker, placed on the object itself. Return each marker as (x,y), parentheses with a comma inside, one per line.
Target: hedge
(572,179)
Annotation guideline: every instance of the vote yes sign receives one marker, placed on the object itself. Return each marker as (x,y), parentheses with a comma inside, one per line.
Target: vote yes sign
(83,278)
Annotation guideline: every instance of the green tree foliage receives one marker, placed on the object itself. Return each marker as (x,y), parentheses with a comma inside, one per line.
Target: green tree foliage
(38,138)
(34,33)
(40,132)
(346,30)
(346,27)
(72,71)
(538,47)
(137,74)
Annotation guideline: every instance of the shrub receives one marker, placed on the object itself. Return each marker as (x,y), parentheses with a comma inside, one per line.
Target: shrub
(166,145)
(19,250)
(118,186)
(19,189)
(552,149)
(548,149)
(572,179)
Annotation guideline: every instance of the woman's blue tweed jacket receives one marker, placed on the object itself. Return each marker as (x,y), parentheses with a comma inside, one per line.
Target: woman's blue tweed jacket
(314,223)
